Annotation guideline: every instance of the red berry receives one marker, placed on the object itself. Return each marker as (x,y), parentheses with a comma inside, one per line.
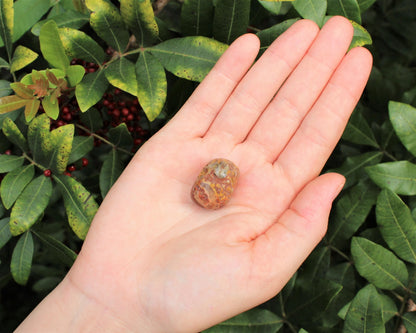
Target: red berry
(117,91)
(84,162)
(125,111)
(116,113)
(138,142)
(65,109)
(130,117)
(106,102)
(66,173)
(8,152)
(47,173)
(71,168)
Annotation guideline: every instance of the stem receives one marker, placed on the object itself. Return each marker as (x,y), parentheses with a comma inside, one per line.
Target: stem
(99,137)
(33,162)
(342,254)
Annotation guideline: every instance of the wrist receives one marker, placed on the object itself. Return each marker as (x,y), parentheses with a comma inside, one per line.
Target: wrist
(68,309)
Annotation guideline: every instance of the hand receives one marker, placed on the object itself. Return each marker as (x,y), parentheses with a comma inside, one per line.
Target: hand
(155,261)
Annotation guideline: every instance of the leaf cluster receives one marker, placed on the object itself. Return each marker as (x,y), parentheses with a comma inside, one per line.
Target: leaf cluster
(56,166)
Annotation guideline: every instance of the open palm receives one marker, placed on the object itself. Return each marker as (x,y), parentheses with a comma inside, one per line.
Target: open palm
(158,262)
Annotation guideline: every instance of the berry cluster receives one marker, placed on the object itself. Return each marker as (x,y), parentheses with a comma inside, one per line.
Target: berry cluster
(116,107)
(71,168)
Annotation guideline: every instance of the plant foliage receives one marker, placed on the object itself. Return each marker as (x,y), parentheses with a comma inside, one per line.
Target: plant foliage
(83,84)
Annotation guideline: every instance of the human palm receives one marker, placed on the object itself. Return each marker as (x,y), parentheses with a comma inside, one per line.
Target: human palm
(153,254)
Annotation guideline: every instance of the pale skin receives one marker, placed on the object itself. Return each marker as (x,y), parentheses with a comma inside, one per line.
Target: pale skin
(155,261)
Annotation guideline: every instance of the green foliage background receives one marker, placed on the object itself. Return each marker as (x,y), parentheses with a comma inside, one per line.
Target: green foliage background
(55,169)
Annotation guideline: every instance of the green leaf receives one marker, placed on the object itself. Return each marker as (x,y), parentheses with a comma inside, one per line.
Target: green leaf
(22,57)
(14,183)
(396,225)
(63,252)
(10,162)
(21,262)
(308,303)
(353,167)
(346,8)
(4,65)
(409,321)
(120,136)
(189,57)
(51,106)
(272,6)
(13,134)
(31,11)
(231,19)
(38,137)
(30,205)
(91,89)
(140,18)
(7,25)
(81,145)
(365,312)
(5,234)
(11,103)
(358,131)
(31,109)
(51,46)
(400,177)
(351,211)
(255,320)
(75,74)
(122,74)
(78,44)
(311,9)
(365,4)
(110,171)
(196,17)
(269,35)
(378,265)
(92,119)
(152,85)
(79,204)
(403,119)
(106,20)
(68,19)
(61,140)
(360,37)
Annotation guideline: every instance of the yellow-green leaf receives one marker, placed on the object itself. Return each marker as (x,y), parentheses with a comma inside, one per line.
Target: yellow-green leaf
(79,45)
(11,103)
(14,183)
(39,140)
(51,106)
(51,46)
(13,134)
(140,18)
(21,262)
(7,24)
(107,22)
(90,90)
(189,57)
(122,74)
(75,74)
(31,109)
(152,85)
(361,36)
(79,204)
(30,205)
(22,57)
(61,140)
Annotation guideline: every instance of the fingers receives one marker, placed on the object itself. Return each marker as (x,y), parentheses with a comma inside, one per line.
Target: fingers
(260,84)
(286,244)
(284,114)
(202,107)
(308,150)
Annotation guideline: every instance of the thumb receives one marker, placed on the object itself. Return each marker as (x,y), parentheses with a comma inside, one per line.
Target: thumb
(289,241)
